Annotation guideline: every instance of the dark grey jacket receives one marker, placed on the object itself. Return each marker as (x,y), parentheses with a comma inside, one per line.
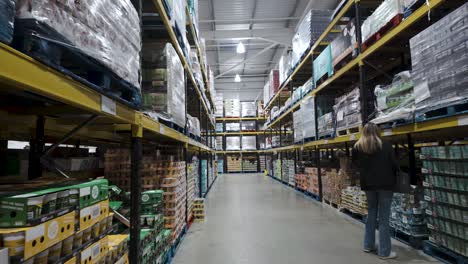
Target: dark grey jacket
(378,171)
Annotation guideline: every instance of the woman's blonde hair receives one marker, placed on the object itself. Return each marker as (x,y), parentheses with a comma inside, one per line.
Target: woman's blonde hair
(370,141)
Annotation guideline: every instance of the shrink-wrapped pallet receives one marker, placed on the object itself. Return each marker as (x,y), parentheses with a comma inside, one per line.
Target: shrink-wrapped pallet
(163,83)
(232,107)
(193,125)
(249,143)
(438,56)
(7,19)
(105,30)
(347,109)
(249,109)
(233,143)
(387,10)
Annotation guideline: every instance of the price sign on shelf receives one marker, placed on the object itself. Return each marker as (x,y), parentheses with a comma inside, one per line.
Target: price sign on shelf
(108,105)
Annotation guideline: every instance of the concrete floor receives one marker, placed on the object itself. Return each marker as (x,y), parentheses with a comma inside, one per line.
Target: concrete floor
(253,219)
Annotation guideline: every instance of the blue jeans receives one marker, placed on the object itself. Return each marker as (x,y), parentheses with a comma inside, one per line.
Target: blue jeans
(378,203)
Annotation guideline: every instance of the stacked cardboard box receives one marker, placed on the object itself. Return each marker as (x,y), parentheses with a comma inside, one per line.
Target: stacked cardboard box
(232,127)
(326,125)
(155,245)
(204,177)
(249,109)
(234,163)
(174,185)
(288,171)
(219,105)
(438,56)
(408,213)
(262,163)
(192,174)
(354,199)
(388,10)
(277,169)
(163,85)
(233,143)
(344,44)
(249,125)
(311,177)
(199,210)
(445,190)
(334,181)
(347,110)
(38,209)
(249,143)
(219,143)
(301,182)
(232,108)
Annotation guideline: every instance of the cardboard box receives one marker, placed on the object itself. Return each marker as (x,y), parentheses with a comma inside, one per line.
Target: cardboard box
(93,214)
(41,237)
(94,253)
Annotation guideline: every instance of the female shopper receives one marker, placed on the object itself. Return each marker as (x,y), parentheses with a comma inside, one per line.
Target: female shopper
(378,171)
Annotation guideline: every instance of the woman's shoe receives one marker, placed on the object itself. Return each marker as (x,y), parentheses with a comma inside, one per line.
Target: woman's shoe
(391,256)
(370,250)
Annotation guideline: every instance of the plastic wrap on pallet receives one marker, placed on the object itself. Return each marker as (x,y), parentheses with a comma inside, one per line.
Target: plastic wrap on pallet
(232,107)
(178,15)
(219,127)
(302,38)
(347,110)
(249,143)
(380,17)
(195,64)
(284,68)
(203,59)
(323,64)
(344,44)
(232,127)
(266,93)
(274,81)
(249,126)
(298,126)
(260,109)
(163,83)
(408,213)
(108,31)
(219,143)
(325,124)
(193,125)
(219,105)
(7,19)
(308,117)
(249,109)
(395,101)
(439,60)
(233,143)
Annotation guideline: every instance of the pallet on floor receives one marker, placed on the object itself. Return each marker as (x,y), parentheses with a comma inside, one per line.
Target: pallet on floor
(443,254)
(354,214)
(414,241)
(177,242)
(330,203)
(45,44)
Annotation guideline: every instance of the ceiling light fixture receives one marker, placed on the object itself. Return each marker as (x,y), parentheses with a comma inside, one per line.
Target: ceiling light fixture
(240,48)
(237,79)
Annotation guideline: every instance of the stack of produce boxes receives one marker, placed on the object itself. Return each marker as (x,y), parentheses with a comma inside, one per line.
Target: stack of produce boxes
(277,169)
(232,108)
(234,163)
(249,163)
(354,199)
(199,210)
(288,171)
(174,186)
(301,182)
(262,163)
(219,105)
(118,249)
(192,171)
(334,182)
(408,213)
(163,85)
(445,172)
(75,218)
(155,240)
(311,177)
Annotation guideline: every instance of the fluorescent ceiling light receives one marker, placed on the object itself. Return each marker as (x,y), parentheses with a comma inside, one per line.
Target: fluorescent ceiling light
(237,78)
(240,48)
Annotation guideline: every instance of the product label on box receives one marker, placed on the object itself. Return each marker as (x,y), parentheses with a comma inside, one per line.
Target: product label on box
(95,192)
(35,232)
(96,251)
(108,105)
(53,229)
(463,121)
(85,191)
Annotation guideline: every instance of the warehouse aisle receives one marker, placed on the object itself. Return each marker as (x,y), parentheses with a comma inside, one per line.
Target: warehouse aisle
(254,220)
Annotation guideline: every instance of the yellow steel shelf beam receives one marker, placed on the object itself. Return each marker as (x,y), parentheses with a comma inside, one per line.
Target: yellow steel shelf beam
(240,118)
(239,152)
(319,42)
(167,24)
(404,25)
(24,73)
(452,122)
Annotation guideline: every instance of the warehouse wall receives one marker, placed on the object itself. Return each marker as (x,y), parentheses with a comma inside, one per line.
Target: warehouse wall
(248,90)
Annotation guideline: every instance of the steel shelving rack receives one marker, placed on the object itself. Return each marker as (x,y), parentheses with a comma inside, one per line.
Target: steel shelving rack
(42,105)
(358,71)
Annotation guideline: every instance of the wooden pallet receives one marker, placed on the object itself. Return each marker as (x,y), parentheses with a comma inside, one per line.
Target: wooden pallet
(348,131)
(408,239)
(443,254)
(442,112)
(395,21)
(45,44)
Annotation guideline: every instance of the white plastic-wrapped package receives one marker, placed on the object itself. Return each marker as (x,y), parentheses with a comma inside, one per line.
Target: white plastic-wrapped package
(273,80)
(348,110)
(249,109)
(396,100)
(219,105)
(249,143)
(308,117)
(249,126)
(232,127)
(193,125)
(196,68)
(380,17)
(233,143)
(178,15)
(7,17)
(266,93)
(163,86)
(219,143)
(284,66)
(108,31)
(439,59)
(325,124)
(298,126)
(232,108)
